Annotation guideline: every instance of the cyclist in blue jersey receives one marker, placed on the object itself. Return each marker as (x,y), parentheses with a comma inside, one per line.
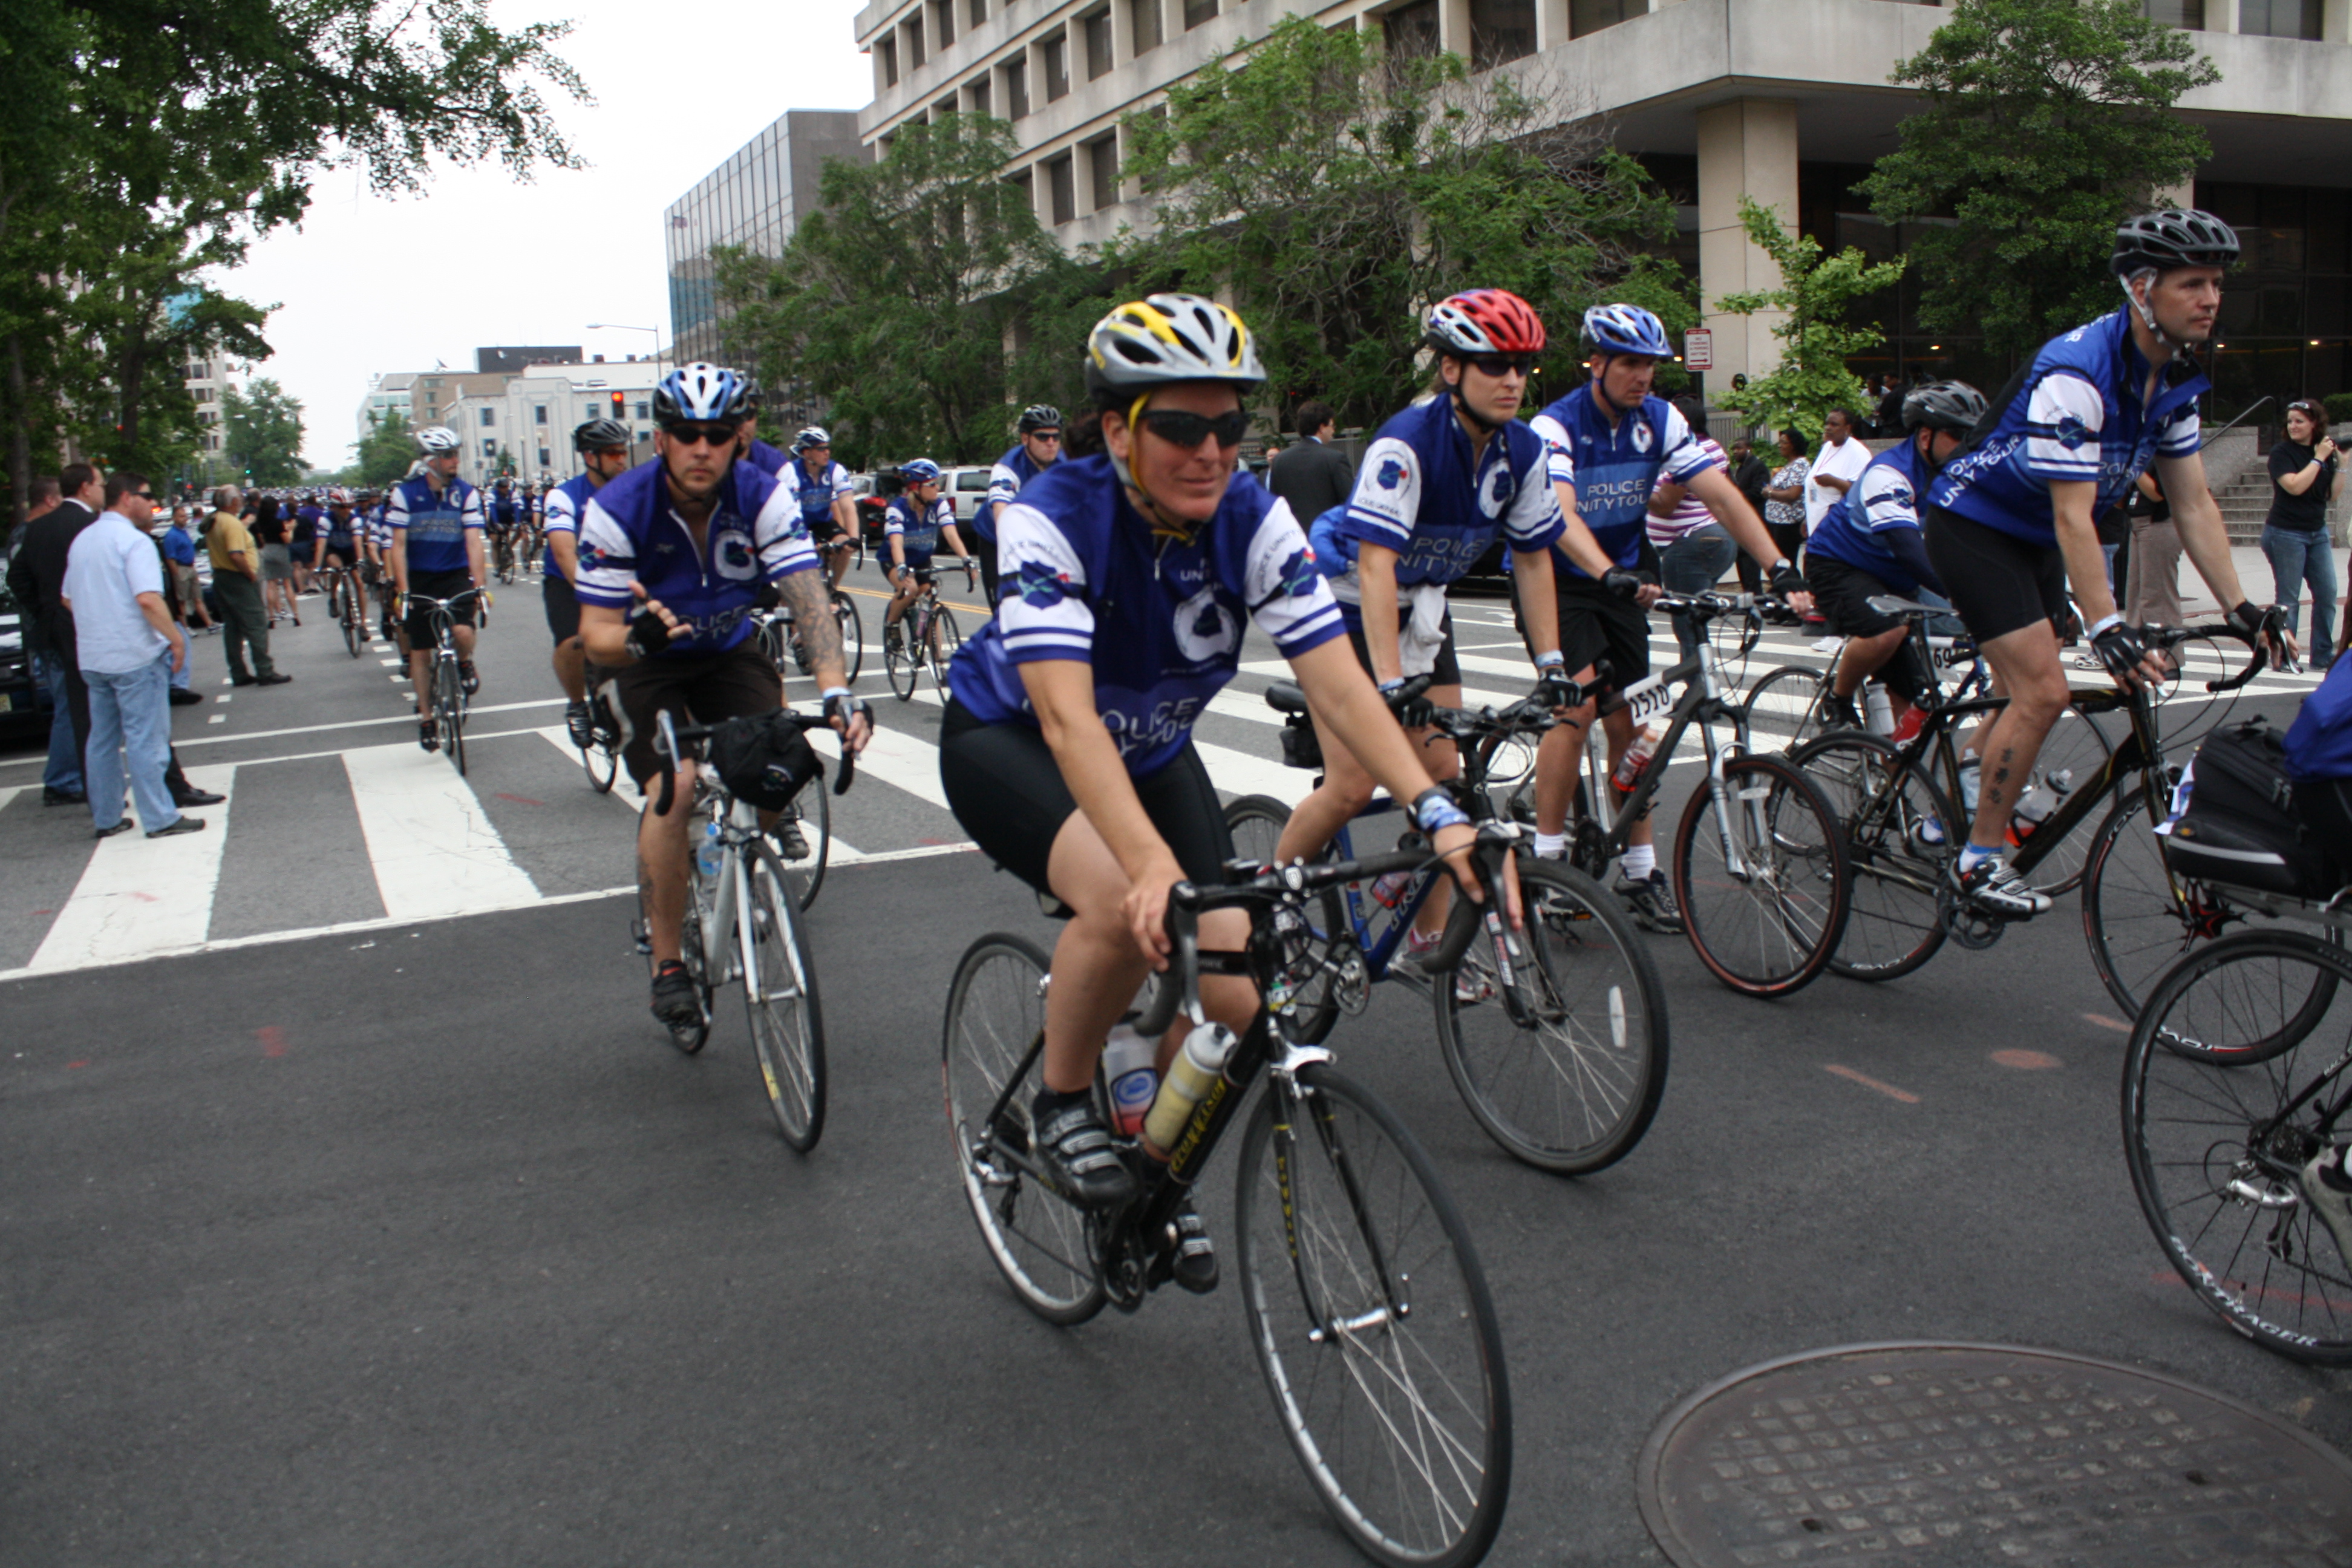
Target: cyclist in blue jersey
(671,556)
(1038,447)
(826,496)
(339,542)
(911,530)
(1437,485)
(2012,524)
(1611,444)
(435,520)
(603,449)
(1066,749)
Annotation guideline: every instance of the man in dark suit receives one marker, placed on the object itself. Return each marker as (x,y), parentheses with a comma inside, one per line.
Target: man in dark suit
(36,578)
(1312,476)
(1750,476)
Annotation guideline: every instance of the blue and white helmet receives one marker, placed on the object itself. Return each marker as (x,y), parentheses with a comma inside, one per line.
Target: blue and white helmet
(694,393)
(815,436)
(921,471)
(434,440)
(1626,330)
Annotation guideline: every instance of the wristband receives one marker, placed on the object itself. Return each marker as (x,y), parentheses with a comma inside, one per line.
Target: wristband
(1433,810)
(830,692)
(2115,619)
(1555,659)
(1390,688)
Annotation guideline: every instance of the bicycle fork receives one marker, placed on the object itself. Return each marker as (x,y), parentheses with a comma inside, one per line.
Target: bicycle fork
(1293,1102)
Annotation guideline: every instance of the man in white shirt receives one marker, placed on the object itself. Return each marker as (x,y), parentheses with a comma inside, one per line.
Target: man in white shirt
(1842,458)
(128,646)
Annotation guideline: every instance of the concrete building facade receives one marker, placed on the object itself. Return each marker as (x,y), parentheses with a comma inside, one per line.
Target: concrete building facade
(1784,101)
(529,416)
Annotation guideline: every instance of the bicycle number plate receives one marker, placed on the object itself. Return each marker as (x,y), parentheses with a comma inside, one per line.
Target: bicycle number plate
(1950,651)
(1647,698)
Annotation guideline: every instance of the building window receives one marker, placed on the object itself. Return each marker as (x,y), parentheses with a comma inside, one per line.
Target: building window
(1591,15)
(2280,18)
(978,91)
(1501,30)
(538,415)
(979,12)
(942,109)
(1016,88)
(1057,53)
(1143,25)
(644,410)
(1027,189)
(1199,11)
(913,29)
(1102,164)
(542,458)
(488,418)
(1060,188)
(1411,30)
(2178,13)
(490,449)
(1098,30)
(944,11)
(888,49)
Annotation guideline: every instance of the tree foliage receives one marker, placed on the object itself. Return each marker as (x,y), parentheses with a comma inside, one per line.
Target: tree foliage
(384,453)
(261,433)
(2047,122)
(918,299)
(1330,191)
(1817,292)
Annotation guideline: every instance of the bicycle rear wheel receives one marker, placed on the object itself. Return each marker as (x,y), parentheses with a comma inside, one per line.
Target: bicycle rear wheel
(1900,834)
(1371,1318)
(787,1025)
(691,1037)
(901,662)
(2076,745)
(1312,954)
(449,711)
(2229,1092)
(1782,710)
(853,637)
(1571,1088)
(944,641)
(1761,875)
(996,1019)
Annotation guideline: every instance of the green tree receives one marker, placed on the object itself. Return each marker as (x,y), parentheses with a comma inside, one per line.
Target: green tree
(1817,292)
(1329,191)
(2047,122)
(261,431)
(385,452)
(897,299)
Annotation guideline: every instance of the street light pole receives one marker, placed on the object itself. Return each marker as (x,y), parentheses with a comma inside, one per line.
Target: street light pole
(619,327)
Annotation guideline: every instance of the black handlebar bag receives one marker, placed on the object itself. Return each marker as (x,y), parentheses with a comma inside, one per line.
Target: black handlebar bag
(764,759)
(2239,825)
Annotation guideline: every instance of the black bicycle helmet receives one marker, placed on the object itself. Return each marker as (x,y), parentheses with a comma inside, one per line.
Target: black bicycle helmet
(1950,406)
(2174,238)
(1040,417)
(598,433)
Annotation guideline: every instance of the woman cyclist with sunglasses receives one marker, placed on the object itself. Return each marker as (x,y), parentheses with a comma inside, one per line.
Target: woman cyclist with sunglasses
(1066,748)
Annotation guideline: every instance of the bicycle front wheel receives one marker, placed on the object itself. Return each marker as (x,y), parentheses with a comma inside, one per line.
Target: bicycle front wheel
(901,663)
(2229,1093)
(996,1019)
(1760,870)
(1571,1083)
(1783,709)
(449,711)
(945,640)
(780,997)
(2139,919)
(348,610)
(1311,954)
(853,637)
(816,804)
(1900,834)
(1371,1318)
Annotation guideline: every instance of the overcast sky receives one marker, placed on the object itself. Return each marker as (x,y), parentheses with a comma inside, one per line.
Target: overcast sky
(368,284)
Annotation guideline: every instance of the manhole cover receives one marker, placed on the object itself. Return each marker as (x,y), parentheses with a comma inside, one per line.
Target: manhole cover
(1985,1454)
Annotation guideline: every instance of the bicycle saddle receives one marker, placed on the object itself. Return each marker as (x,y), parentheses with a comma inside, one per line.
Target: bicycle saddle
(1285,697)
(1894,605)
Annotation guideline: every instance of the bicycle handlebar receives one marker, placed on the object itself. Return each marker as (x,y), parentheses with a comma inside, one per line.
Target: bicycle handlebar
(672,740)
(2172,636)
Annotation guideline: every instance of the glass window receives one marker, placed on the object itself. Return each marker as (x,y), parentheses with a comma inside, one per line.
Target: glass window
(2177,13)
(1098,28)
(1143,25)
(1199,11)
(1061,187)
(488,418)
(542,458)
(644,410)
(1057,53)
(1501,30)
(2280,18)
(913,29)
(1016,88)
(1102,163)
(979,95)
(1412,30)
(943,18)
(1591,15)
(539,416)
(979,12)
(887,50)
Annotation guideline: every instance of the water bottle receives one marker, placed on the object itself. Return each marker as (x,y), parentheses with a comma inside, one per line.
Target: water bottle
(1637,757)
(2038,802)
(1878,711)
(1189,1074)
(1128,1069)
(708,857)
(1388,891)
(1971,780)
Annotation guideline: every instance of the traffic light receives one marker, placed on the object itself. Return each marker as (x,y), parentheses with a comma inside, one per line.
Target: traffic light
(621,407)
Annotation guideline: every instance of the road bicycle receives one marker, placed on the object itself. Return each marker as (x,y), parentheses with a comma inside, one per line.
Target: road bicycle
(446,687)
(503,554)
(1367,1310)
(1758,863)
(1559,1050)
(742,922)
(2236,1079)
(926,635)
(780,640)
(347,604)
(601,756)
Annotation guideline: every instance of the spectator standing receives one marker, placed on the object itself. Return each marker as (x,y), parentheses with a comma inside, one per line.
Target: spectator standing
(61,781)
(1835,467)
(1784,495)
(179,550)
(1890,405)
(270,531)
(2306,474)
(236,578)
(2152,594)
(1750,476)
(1312,476)
(127,648)
(1694,548)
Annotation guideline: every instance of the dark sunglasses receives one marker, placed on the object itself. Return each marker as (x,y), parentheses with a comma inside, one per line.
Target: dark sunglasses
(146,495)
(1179,428)
(1044,434)
(1497,366)
(610,451)
(707,434)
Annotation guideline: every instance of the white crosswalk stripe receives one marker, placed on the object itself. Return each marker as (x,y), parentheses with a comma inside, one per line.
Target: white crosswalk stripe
(431,845)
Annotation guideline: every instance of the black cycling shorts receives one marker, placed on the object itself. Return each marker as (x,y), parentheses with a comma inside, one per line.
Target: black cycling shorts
(1446,671)
(696,689)
(1842,593)
(563,607)
(1997,580)
(438,585)
(825,530)
(1006,788)
(1594,625)
(924,576)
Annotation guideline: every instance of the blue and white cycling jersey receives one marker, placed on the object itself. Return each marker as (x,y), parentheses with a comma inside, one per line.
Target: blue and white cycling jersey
(815,494)
(564,504)
(629,533)
(1421,493)
(766,459)
(1073,555)
(1887,497)
(2078,417)
(435,525)
(1615,469)
(338,530)
(504,511)
(918,527)
(378,521)
(1013,470)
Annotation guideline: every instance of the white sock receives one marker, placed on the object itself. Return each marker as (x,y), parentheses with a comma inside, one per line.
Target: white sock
(1971,857)
(1418,940)
(1639,861)
(1551,846)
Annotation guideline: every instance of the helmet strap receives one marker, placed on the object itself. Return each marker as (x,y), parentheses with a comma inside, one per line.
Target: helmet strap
(1163,527)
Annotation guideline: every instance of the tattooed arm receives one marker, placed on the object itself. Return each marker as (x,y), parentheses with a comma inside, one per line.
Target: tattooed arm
(806,594)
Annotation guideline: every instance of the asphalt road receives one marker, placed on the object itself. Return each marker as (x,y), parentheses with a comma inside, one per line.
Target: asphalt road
(415,1241)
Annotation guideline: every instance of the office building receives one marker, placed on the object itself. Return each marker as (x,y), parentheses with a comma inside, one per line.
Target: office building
(512,359)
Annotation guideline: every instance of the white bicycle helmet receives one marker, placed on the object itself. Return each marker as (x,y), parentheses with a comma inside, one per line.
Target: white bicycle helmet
(434,440)
(701,392)
(1165,339)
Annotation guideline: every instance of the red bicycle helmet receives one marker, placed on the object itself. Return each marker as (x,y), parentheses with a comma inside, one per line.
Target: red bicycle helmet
(1485,321)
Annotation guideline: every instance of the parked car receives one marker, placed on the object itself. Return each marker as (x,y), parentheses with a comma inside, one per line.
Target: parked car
(965,490)
(24,701)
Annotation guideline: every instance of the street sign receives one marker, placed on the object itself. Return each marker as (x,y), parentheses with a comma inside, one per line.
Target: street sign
(1698,349)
